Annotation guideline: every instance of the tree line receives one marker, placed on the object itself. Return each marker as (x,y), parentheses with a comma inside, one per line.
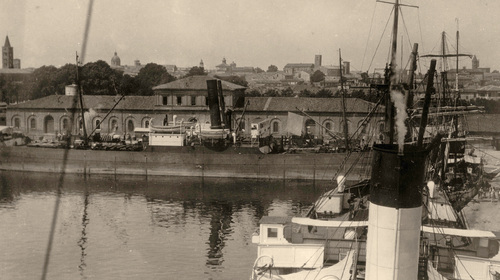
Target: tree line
(95,78)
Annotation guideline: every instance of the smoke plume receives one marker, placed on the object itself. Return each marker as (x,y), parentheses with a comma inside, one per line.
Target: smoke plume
(401,115)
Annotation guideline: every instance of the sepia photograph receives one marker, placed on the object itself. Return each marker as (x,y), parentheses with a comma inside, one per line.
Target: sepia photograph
(250,139)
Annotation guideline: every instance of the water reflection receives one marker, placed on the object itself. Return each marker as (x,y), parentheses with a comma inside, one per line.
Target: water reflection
(82,243)
(6,192)
(220,226)
(171,222)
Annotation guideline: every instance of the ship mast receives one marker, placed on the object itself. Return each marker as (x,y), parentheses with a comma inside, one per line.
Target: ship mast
(390,75)
(79,89)
(456,73)
(346,126)
(444,65)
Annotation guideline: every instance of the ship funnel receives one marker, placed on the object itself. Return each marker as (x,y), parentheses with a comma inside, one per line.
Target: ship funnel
(213,104)
(395,212)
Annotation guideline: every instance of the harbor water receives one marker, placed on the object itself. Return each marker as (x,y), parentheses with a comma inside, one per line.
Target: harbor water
(134,227)
(137,227)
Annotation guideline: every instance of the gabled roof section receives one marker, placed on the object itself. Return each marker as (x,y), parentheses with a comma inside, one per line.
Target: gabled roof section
(196,83)
(275,220)
(489,88)
(299,65)
(483,123)
(308,104)
(101,102)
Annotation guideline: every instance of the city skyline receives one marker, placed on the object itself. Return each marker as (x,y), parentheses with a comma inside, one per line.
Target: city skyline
(250,33)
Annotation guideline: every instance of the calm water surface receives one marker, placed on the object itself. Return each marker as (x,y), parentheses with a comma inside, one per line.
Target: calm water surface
(138,228)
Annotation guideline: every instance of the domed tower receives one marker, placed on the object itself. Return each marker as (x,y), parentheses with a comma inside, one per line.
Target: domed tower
(202,65)
(115,61)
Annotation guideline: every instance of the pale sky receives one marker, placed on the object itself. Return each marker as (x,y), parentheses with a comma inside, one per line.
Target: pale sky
(249,32)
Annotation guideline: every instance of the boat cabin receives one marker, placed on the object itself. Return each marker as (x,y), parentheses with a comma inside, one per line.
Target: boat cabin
(295,243)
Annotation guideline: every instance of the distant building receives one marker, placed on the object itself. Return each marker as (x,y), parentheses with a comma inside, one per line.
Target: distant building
(292,68)
(115,61)
(232,69)
(489,92)
(49,116)
(346,70)
(7,54)
(324,118)
(17,63)
(475,63)
(223,67)
(317,60)
(187,98)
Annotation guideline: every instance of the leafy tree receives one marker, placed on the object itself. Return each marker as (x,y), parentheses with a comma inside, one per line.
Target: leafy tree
(490,106)
(234,79)
(271,92)
(9,90)
(148,77)
(98,78)
(288,92)
(196,71)
(253,92)
(65,75)
(128,85)
(324,93)
(41,83)
(258,70)
(272,68)
(317,76)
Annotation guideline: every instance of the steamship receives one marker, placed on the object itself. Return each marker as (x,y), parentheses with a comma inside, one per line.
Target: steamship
(405,221)
(185,148)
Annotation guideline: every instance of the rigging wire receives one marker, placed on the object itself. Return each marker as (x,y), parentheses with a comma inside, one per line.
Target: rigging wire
(440,230)
(420,29)
(406,29)
(65,157)
(368,39)
(356,160)
(378,45)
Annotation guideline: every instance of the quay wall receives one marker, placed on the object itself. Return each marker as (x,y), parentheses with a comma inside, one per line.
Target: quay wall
(188,162)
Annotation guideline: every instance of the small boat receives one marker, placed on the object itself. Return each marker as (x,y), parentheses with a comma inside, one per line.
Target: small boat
(176,128)
(209,134)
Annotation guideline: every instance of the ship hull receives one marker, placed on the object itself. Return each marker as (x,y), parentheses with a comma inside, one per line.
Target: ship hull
(199,161)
